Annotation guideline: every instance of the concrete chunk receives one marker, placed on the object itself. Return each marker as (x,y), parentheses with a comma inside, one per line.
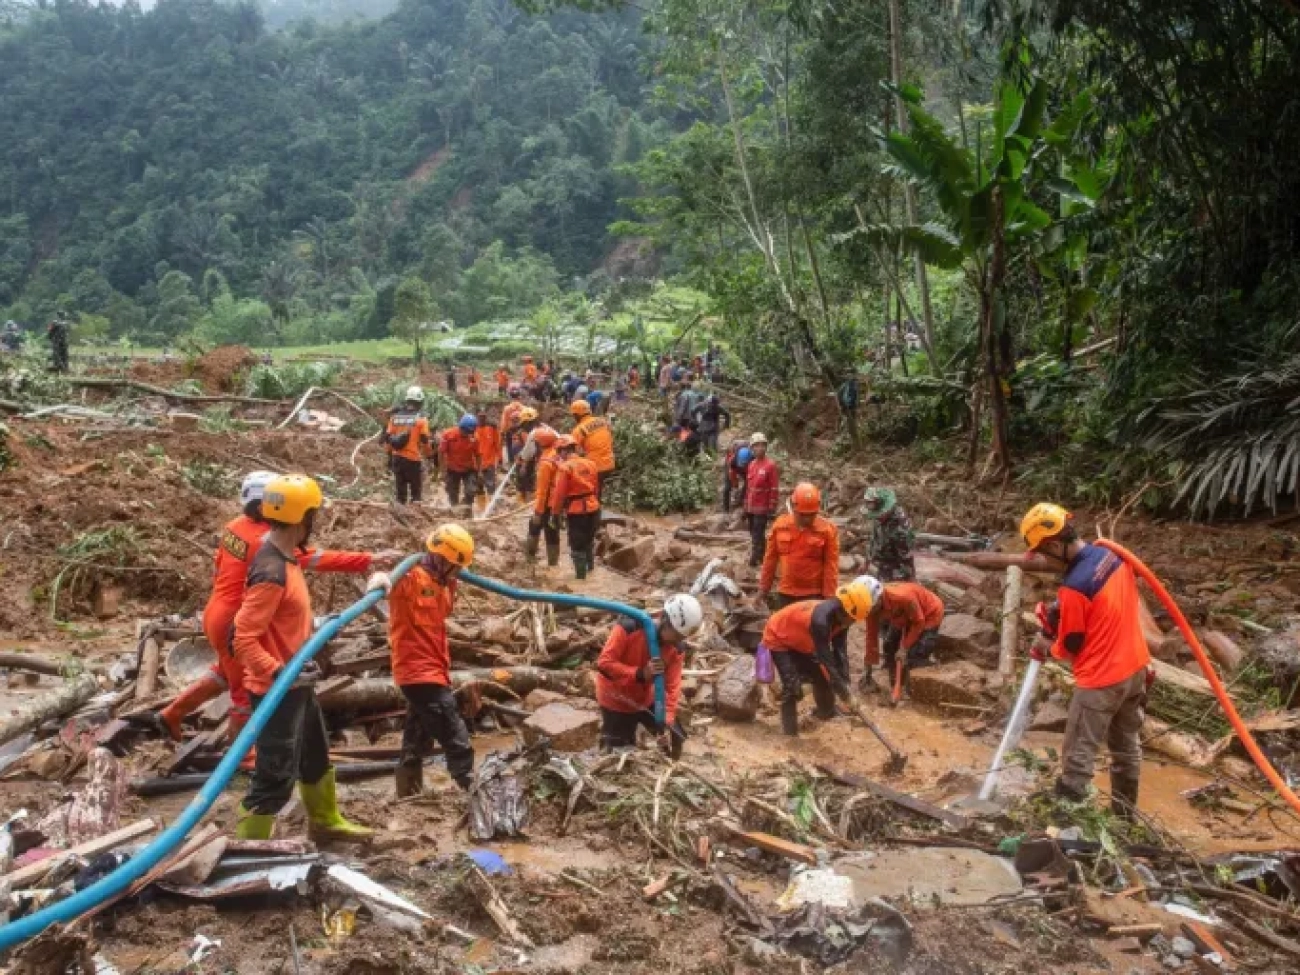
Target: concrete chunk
(569,729)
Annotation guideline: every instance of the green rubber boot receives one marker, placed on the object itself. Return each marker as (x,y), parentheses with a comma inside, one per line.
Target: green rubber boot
(580,565)
(253,826)
(324,821)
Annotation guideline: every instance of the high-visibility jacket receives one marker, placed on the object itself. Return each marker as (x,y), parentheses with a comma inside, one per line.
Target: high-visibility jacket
(510,416)
(625,652)
(808,559)
(596,439)
(408,436)
(762,486)
(489,444)
(274,620)
(633,378)
(575,488)
(530,373)
(806,627)
(418,608)
(503,380)
(1100,631)
(548,468)
(908,607)
(457,452)
(474,380)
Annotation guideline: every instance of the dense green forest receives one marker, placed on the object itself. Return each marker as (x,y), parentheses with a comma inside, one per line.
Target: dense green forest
(186,168)
(1067,229)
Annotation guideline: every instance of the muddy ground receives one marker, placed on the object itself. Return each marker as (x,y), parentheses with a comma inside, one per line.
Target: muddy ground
(576,888)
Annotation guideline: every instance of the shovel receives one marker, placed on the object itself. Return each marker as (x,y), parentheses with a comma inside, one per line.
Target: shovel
(897,760)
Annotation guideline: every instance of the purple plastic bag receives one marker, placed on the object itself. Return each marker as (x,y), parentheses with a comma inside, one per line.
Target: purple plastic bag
(764,669)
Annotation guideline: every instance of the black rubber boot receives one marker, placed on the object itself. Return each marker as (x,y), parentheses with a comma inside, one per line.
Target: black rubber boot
(409,780)
(790,718)
(530,547)
(1124,798)
(553,554)
(580,565)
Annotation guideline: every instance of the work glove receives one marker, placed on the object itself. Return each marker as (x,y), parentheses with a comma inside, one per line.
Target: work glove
(310,676)
(1049,618)
(652,669)
(1040,648)
(379,580)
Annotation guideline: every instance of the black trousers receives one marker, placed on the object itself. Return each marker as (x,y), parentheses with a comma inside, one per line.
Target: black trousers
(918,656)
(728,491)
(293,747)
(432,715)
(455,480)
(582,533)
(408,477)
(539,525)
(526,477)
(757,537)
(618,730)
(794,669)
(487,480)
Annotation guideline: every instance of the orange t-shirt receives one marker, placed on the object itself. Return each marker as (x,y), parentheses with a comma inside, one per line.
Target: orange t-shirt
(625,652)
(418,608)
(530,373)
(596,439)
(503,379)
(906,606)
(1101,629)
(489,444)
(458,452)
(575,488)
(410,430)
(808,558)
(274,620)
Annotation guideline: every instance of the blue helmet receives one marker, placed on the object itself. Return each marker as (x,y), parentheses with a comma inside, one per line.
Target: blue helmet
(743,456)
(468,423)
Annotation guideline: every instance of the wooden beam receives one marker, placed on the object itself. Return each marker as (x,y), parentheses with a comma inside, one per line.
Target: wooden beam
(910,803)
(774,844)
(24,877)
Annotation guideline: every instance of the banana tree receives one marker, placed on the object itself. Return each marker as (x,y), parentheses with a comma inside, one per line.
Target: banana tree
(985,200)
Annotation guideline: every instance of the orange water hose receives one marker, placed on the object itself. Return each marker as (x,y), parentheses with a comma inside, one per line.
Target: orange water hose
(1220,692)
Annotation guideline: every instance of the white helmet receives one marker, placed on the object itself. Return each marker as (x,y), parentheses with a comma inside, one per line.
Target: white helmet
(414,394)
(757,438)
(254,486)
(684,613)
(873,586)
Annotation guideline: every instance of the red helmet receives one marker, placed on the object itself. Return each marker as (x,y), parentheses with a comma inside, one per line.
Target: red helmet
(806,499)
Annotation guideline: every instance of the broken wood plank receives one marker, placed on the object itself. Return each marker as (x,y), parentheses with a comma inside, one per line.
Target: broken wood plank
(782,848)
(656,887)
(1010,624)
(1207,942)
(1262,934)
(333,685)
(739,901)
(146,681)
(910,803)
(26,876)
(1134,930)
(359,665)
(1181,678)
(35,711)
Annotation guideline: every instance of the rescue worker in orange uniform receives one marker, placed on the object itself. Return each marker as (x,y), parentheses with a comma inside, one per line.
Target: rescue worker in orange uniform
(801,639)
(577,497)
(510,419)
(240,541)
(474,380)
(625,677)
(418,607)
(273,622)
(595,438)
(409,443)
(542,521)
(488,436)
(503,379)
(911,615)
(529,423)
(458,455)
(530,372)
(803,548)
(1096,627)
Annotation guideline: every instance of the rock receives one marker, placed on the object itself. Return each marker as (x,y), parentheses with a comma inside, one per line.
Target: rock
(1221,647)
(931,568)
(1051,716)
(965,635)
(959,682)
(736,694)
(106,601)
(1182,947)
(539,698)
(633,556)
(677,551)
(569,729)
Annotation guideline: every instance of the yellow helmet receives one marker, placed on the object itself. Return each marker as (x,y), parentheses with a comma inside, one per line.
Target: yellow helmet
(855,598)
(453,543)
(1042,523)
(288,498)
(580,407)
(527,415)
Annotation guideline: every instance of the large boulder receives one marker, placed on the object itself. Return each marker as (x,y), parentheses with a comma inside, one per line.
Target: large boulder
(568,728)
(736,694)
(960,682)
(967,636)
(932,568)
(633,556)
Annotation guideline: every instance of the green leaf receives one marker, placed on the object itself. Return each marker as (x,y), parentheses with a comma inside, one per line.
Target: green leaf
(1064,126)
(1070,191)
(1030,122)
(1080,303)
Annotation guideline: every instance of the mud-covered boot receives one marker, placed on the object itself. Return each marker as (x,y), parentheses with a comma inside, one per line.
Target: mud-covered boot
(324,821)
(193,697)
(552,554)
(530,547)
(580,564)
(790,718)
(1124,798)
(409,780)
(253,826)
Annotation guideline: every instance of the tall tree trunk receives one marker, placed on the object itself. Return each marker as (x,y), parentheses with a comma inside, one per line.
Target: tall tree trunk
(909,191)
(996,274)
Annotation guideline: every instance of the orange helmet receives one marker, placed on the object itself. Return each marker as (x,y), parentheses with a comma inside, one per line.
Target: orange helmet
(806,499)
(545,437)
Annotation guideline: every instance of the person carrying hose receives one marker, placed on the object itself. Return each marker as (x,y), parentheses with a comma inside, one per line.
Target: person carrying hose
(1097,629)
(458,454)
(240,541)
(803,548)
(273,622)
(801,639)
(577,497)
(911,616)
(762,493)
(596,439)
(418,607)
(625,677)
(409,443)
(542,520)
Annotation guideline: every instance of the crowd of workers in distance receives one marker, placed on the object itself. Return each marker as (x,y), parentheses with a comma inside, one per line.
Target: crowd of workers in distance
(57,331)
(259,613)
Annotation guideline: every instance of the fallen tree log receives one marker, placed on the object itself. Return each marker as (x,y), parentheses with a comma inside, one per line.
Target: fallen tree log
(1027,561)
(46,707)
(381,694)
(100,383)
(32,664)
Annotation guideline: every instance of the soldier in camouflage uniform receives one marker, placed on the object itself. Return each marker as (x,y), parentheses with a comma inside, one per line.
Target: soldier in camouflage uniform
(890,548)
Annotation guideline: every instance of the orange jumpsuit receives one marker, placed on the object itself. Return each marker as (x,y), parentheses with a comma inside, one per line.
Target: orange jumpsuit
(625,653)
(530,373)
(910,609)
(503,381)
(808,559)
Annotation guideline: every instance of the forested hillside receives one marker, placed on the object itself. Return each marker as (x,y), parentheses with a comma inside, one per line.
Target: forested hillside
(188,168)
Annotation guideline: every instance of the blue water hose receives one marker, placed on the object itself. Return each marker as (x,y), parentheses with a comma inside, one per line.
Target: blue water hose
(119,880)
(563,599)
